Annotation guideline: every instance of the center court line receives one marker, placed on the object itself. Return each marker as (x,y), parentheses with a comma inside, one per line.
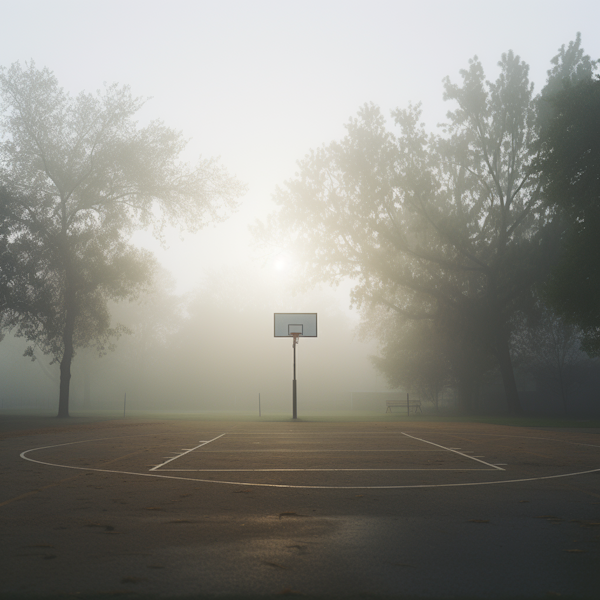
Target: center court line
(312,470)
(320,451)
(186,452)
(455,451)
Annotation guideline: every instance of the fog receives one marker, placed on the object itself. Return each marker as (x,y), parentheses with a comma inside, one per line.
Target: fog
(210,350)
(258,84)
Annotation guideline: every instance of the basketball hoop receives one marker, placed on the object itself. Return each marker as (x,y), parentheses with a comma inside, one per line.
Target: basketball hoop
(295,325)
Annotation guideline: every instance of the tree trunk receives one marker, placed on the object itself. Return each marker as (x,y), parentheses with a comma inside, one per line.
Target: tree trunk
(563,392)
(86,388)
(466,385)
(508,375)
(502,351)
(65,363)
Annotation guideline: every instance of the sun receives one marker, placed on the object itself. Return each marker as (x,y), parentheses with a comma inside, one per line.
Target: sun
(280,264)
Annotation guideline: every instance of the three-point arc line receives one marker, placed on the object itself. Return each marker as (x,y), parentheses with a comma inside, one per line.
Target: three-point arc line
(287,486)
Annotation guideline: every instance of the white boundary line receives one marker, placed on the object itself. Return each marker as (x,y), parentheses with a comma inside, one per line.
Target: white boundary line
(186,452)
(455,451)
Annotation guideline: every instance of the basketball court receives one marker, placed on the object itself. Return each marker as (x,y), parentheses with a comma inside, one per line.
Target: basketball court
(331,456)
(397,507)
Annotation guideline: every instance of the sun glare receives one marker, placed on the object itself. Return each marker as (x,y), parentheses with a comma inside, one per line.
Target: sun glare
(280,263)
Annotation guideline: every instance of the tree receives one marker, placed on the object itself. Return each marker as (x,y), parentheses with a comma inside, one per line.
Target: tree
(549,349)
(412,356)
(83,175)
(6,271)
(570,164)
(450,228)
(141,363)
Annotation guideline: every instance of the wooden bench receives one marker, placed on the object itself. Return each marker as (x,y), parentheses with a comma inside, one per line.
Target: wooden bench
(408,405)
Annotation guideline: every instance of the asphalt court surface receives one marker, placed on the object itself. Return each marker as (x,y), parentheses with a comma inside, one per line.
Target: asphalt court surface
(191,508)
(334,456)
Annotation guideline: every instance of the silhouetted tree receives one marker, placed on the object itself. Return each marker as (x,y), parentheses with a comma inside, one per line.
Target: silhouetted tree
(145,359)
(6,274)
(549,349)
(450,228)
(83,176)
(412,356)
(571,167)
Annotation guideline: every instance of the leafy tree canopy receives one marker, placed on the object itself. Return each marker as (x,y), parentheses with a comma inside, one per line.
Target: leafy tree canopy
(81,175)
(571,165)
(448,227)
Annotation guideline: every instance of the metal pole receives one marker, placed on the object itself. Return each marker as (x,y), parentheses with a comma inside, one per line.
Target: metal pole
(259,404)
(407,405)
(124,404)
(294,397)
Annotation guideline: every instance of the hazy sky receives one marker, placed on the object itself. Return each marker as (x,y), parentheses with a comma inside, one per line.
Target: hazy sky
(259,83)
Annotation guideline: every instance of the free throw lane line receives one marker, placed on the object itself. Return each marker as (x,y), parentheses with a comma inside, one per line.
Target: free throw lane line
(186,452)
(455,451)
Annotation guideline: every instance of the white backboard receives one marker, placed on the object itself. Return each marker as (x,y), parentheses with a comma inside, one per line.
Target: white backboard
(303,323)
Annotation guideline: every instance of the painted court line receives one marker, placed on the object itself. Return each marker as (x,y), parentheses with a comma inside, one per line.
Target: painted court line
(186,452)
(303,470)
(303,451)
(320,451)
(319,434)
(24,456)
(455,452)
(280,485)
